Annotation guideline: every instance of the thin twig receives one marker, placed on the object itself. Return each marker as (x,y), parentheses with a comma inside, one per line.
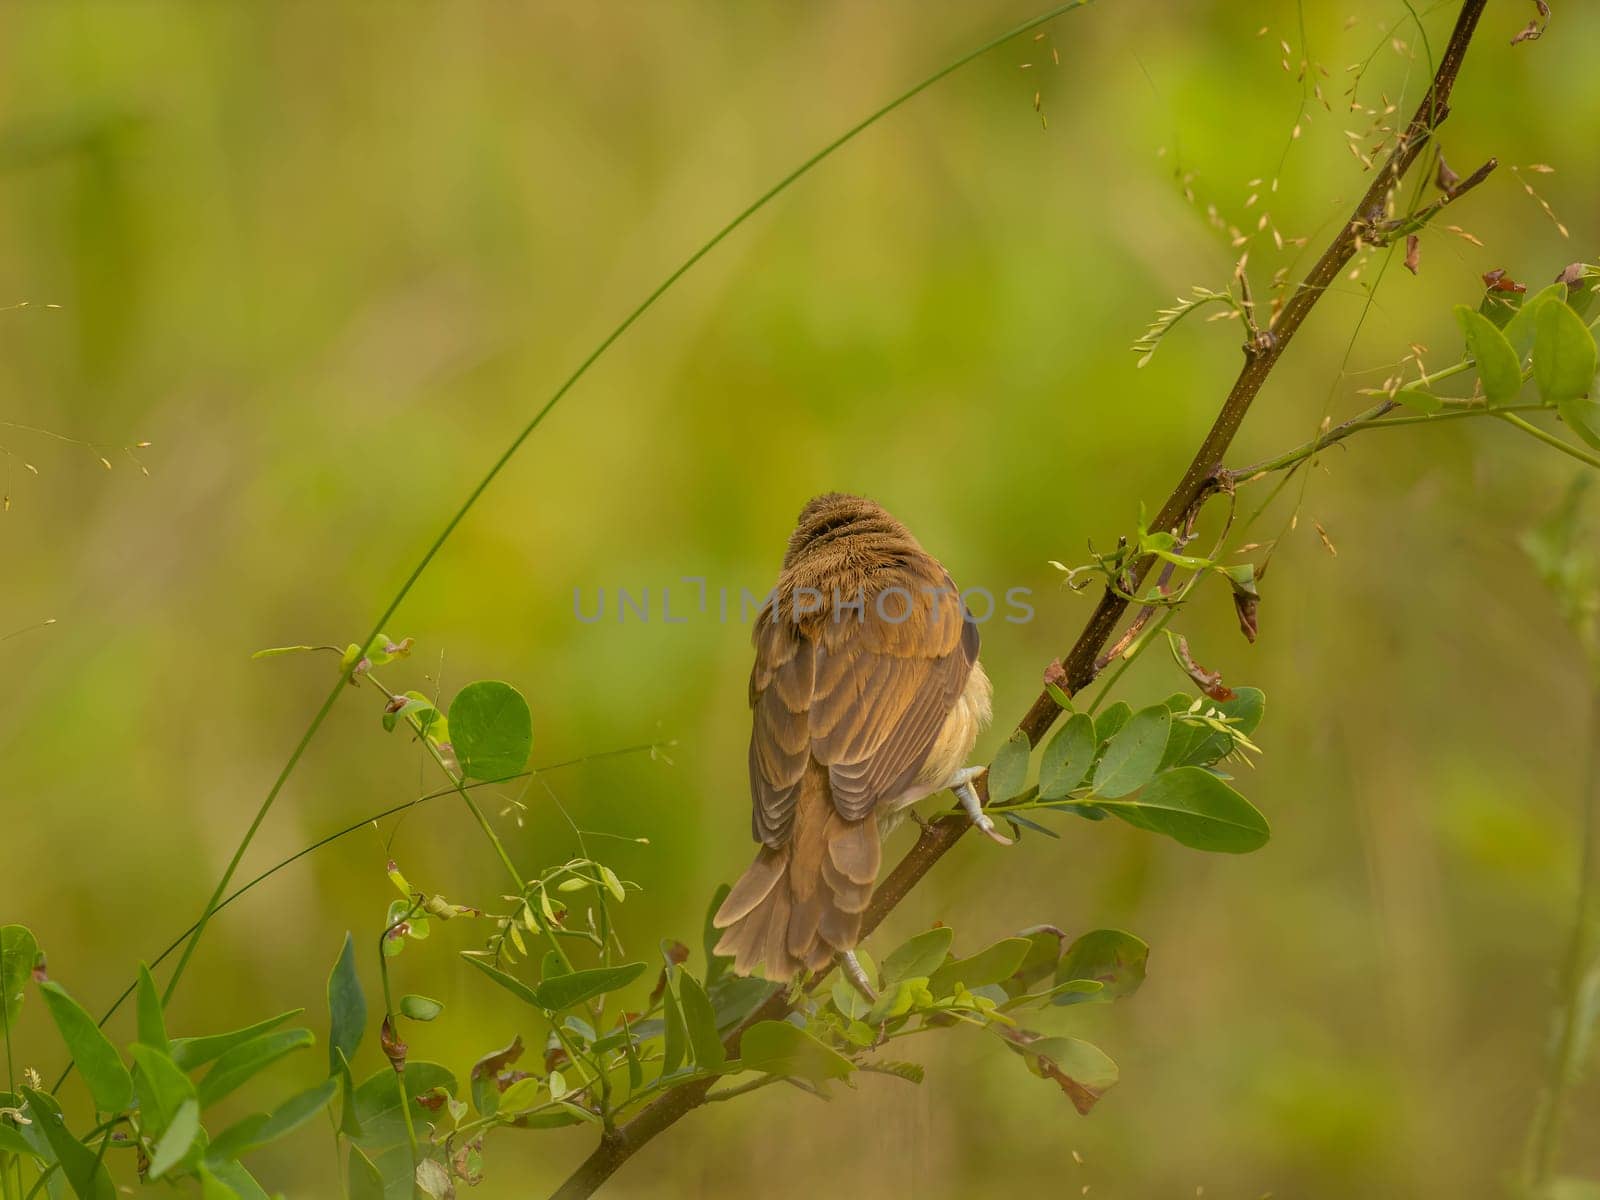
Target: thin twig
(1401,226)
(1080,664)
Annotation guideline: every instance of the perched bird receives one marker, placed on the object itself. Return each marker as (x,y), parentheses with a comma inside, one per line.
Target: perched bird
(867,696)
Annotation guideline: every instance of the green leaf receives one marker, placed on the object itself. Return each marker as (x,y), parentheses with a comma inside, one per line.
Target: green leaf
(1194,807)
(1417,397)
(86,1174)
(524,1094)
(1134,755)
(152,1023)
(1067,757)
(779,1048)
(347,1007)
(899,998)
(177,1140)
(850,1003)
(491,730)
(510,982)
(1044,952)
(1081,1069)
(487,1072)
(733,998)
(232,1182)
(377,1103)
(1563,354)
(18,954)
(420,1008)
(1109,722)
(674,1040)
(1078,989)
(700,1023)
(1499,369)
(995,964)
(161,1085)
(247,1060)
(1186,737)
(919,956)
(349,1120)
(259,1129)
(363,1179)
(1008,774)
(1110,957)
(1582,415)
(565,991)
(97,1059)
(1500,306)
(716,964)
(190,1053)
(11,1139)
(1520,330)
(1244,711)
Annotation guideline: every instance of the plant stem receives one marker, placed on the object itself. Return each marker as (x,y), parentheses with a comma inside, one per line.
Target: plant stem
(249,836)
(392,1026)
(1375,417)
(516,443)
(334,837)
(1127,662)
(1579,974)
(740,1089)
(477,813)
(1548,439)
(38,1183)
(938,838)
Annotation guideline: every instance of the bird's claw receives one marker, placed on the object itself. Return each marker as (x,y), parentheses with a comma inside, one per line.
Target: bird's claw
(851,966)
(961,785)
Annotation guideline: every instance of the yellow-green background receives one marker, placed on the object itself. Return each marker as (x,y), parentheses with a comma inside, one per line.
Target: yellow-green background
(328,258)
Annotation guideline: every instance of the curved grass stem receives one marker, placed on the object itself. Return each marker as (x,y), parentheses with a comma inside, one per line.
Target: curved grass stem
(527,430)
(391,811)
(1549,439)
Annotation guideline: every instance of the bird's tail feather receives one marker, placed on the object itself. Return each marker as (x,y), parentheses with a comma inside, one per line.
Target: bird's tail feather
(801,903)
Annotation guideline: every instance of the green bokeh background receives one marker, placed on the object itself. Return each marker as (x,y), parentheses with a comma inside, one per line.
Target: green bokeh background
(328,258)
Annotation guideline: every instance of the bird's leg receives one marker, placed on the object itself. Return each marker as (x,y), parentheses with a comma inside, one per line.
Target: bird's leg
(851,966)
(961,784)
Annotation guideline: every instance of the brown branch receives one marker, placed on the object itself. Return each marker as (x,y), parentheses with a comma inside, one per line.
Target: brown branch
(1390,230)
(1363,227)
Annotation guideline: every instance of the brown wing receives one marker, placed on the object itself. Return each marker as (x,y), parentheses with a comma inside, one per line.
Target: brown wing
(864,695)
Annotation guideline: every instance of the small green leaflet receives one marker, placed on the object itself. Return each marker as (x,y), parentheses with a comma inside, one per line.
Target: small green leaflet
(1134,754)
(1499,369)
(109,1081)
(779,1048)
(491,730)
(1194,807)
(1009,771)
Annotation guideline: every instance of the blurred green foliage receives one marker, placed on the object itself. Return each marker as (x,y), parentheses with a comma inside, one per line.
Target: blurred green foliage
(328,258)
